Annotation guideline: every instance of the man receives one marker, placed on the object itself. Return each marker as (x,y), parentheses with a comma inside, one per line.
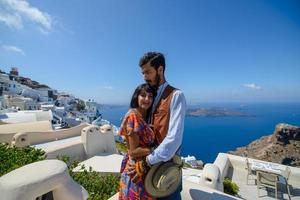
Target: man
(168,112)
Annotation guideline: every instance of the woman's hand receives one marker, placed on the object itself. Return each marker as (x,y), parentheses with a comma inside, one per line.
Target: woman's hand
(132,173)
(137,169)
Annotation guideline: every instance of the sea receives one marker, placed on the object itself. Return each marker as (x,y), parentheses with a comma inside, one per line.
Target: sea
(204,137)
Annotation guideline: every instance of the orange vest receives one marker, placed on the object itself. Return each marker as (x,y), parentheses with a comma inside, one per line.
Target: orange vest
(161,115)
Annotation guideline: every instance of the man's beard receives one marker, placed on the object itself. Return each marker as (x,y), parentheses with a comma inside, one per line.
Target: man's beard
(156,82)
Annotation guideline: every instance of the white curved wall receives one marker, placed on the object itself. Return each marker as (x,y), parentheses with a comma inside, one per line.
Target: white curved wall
(38,178)
(7,131)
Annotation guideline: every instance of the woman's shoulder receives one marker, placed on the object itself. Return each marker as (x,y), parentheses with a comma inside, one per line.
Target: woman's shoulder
(131,114)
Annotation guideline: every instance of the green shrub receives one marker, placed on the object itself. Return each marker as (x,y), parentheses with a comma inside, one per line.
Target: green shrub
(230,187)
(121,147)
(187,165)
(12,158)
(99,187)
(71,164)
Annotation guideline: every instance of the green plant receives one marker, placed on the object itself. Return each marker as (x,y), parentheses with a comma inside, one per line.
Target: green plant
(12,157)
(99,187)
(121,147)
(1,123)
(70,163)
(230,187)
(187,165)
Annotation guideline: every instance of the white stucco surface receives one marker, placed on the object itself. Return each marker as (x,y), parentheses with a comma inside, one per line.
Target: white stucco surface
(104,164)
(47,146)
(38,178)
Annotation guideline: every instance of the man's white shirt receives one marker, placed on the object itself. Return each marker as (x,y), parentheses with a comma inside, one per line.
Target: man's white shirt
(173,140)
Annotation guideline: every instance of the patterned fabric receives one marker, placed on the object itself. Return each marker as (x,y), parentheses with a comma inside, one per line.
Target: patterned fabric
(133,123)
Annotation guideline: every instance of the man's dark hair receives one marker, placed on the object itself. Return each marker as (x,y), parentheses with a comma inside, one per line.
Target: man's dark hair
(134,99)
(155,59)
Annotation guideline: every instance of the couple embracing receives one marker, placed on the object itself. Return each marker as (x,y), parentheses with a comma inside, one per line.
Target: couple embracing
(153,130)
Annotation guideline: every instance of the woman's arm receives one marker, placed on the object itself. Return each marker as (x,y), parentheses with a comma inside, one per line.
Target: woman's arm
(134,150)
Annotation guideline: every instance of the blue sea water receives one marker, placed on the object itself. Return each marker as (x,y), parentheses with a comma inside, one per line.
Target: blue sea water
(205,137)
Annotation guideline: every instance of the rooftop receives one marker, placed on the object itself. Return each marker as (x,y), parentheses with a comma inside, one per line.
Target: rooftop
(237,172)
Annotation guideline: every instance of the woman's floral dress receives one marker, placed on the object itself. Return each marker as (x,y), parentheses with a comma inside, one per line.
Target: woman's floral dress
(133,123)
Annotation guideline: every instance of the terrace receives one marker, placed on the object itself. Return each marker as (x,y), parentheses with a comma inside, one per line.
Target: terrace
(96,144)
(235,168)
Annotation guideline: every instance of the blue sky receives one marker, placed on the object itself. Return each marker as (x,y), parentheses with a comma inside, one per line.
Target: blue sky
(216,50)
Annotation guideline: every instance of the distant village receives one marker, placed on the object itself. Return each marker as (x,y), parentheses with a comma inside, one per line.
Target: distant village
(19,93)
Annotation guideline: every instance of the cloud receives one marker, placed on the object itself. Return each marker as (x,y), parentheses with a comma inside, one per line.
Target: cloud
(252,86)
(13,49)
(14,12)
(13,21)
(108,87)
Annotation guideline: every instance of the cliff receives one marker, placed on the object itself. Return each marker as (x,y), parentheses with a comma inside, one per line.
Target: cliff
(283,146)
(30,83)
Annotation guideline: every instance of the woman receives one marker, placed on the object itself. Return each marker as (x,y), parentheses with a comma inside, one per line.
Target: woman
(139,139)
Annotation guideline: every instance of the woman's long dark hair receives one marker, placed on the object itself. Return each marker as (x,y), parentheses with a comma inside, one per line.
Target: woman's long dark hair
(134,99)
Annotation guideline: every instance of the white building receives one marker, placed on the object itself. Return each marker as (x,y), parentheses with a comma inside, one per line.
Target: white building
(26,116)
(91,106)
(4,84)
(20,103)
(67,101)
(46,94)
(8,85)
(191,160)
(31,93)
(1,102)
(17,88)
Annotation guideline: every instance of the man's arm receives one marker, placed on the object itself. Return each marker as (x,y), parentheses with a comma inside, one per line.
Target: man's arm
(167,149)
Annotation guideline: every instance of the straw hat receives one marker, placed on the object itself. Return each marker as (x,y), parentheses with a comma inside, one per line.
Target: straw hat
(163,178)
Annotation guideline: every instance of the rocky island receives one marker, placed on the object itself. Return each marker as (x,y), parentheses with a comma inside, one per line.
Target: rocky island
(216,112)
(282,147)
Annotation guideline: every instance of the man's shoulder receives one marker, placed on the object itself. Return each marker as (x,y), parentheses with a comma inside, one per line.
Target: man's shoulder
(173,88)
(177,91)
(178,96)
